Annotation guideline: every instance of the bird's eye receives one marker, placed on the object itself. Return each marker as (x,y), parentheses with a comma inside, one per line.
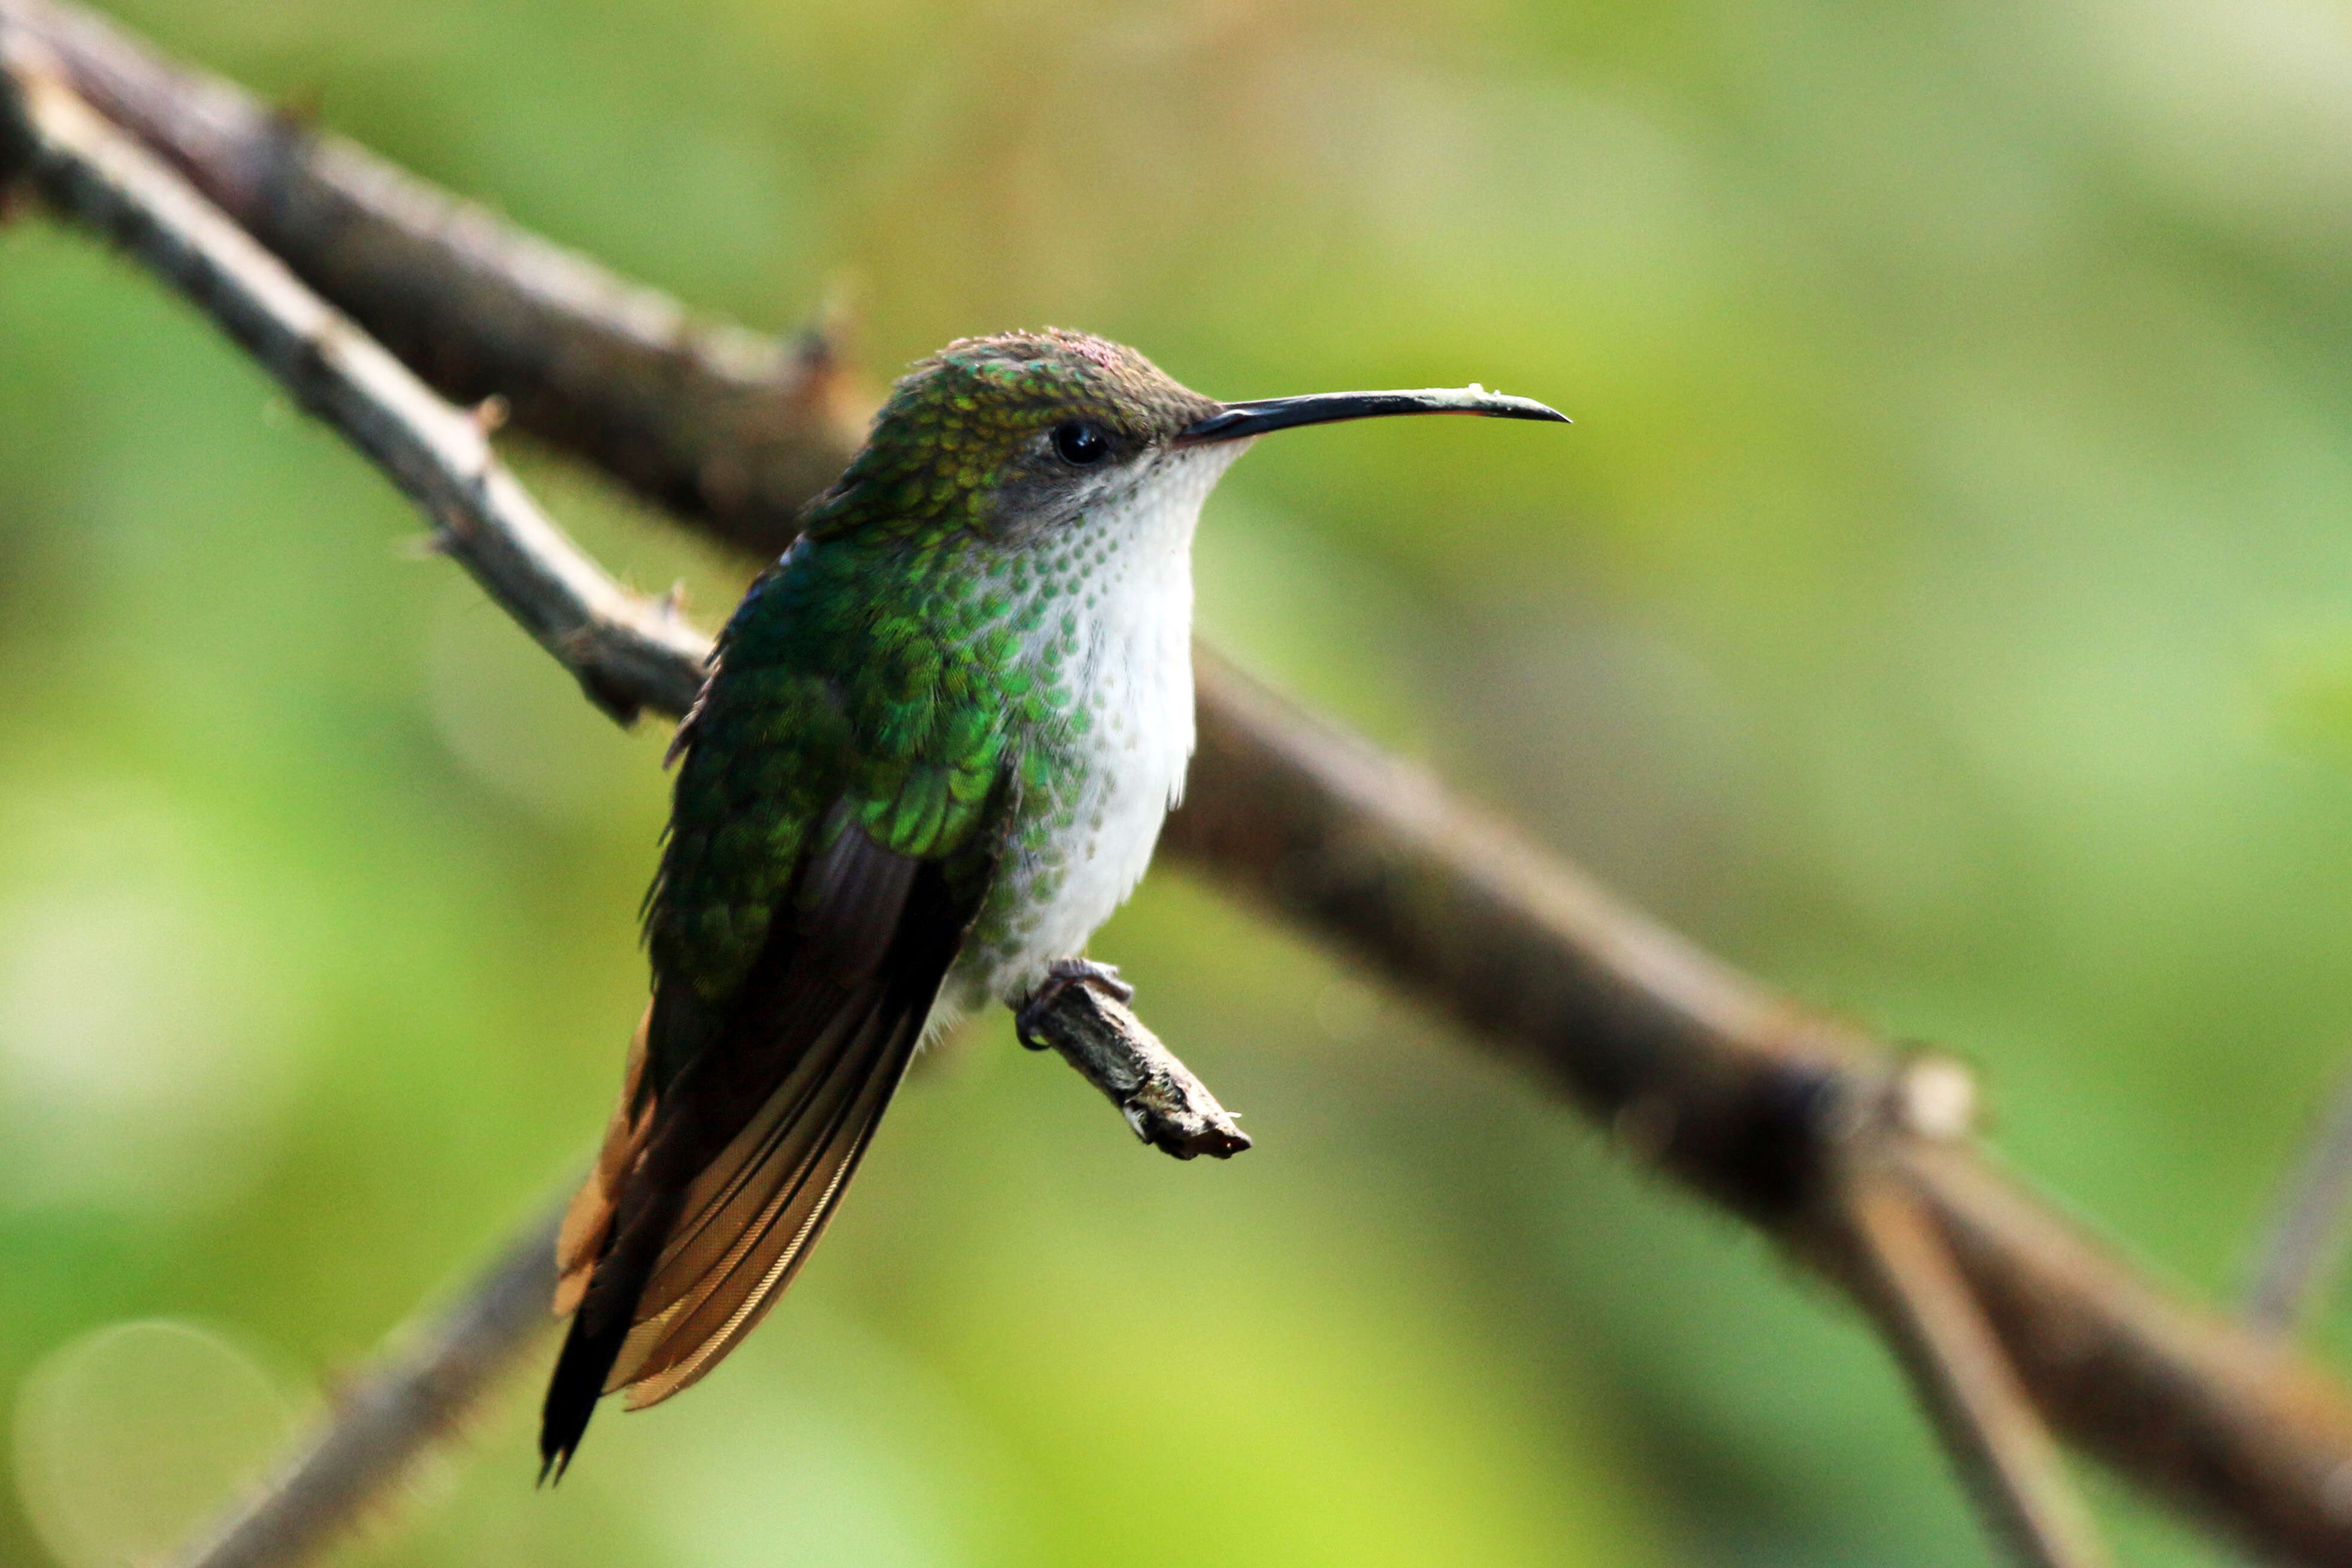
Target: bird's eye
(1080,444)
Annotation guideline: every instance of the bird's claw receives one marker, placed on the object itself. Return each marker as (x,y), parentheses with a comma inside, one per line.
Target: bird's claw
(1060,975)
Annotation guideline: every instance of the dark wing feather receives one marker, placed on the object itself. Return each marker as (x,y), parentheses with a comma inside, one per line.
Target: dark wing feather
(675,1348)
(746,1149)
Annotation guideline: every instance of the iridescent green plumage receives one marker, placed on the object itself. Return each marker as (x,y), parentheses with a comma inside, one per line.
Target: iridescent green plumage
(879,667)
(889,716)
(934,753)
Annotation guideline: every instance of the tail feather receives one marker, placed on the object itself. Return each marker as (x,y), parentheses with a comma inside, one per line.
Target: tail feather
(797,1190)
(600,1327)
(606,1310)
(589,1220)
(732,1307)
(711,1190)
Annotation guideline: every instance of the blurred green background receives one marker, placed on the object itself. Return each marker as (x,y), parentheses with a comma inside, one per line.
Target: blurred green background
(1943,606)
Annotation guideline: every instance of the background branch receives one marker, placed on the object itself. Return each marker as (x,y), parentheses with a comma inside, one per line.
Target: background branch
(628,652)
(414,1399)
(2305,1241)
(704,417)
(1964,1379)
(1748,1097)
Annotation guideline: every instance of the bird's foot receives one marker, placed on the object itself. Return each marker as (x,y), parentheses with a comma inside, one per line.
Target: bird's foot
(1060,975)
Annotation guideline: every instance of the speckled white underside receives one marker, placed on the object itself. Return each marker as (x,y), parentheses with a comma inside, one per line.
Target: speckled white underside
(1134,672)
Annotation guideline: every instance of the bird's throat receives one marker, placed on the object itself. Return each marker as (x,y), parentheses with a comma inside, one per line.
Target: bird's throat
(1104,753)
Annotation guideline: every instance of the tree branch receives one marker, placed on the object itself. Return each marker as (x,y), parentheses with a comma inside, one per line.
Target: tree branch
(1168,1107)
(1749,1097)
(415,1399)
(701,415)
(2305,1242)
(1964,1379)
(628,652)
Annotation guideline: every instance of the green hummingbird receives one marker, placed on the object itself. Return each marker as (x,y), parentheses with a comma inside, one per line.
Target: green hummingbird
(932,754)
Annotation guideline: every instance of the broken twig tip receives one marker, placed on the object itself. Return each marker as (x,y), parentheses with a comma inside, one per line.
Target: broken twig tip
(1936,1097)
(1168,1107)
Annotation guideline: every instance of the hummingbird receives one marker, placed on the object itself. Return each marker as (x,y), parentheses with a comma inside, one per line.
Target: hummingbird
(934,752)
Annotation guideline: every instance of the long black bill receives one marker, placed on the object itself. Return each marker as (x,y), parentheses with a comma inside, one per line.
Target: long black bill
(1236,420)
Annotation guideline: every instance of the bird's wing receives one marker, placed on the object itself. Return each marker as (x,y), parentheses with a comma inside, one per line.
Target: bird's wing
(833,1031)
(798,952)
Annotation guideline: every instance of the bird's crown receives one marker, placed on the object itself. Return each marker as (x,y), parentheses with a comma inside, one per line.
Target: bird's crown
(986,418)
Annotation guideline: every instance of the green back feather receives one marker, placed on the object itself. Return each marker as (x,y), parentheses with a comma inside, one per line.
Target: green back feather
(880,664)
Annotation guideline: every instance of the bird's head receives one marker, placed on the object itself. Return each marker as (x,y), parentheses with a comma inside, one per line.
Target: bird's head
(1008,436)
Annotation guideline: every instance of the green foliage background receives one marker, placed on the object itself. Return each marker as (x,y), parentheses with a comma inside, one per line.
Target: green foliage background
(1943,606)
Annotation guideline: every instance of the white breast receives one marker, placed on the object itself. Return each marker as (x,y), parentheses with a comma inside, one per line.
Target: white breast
(1133,674)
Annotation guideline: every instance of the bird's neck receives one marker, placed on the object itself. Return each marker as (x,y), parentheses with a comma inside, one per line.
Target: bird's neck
(1105,603)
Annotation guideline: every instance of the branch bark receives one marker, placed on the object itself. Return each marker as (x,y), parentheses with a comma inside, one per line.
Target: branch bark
(1168,1107)
(626,651)
(701,415)
(1964,1377)
(2302,1253)
(412,1401)
(1749,1097)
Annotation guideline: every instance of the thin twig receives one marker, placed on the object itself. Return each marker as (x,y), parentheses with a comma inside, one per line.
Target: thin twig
(1168,1107)
(1964,1377)
(702,414)
(380,1427)
(1733,1089)
(627,651)
(2306,1241)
